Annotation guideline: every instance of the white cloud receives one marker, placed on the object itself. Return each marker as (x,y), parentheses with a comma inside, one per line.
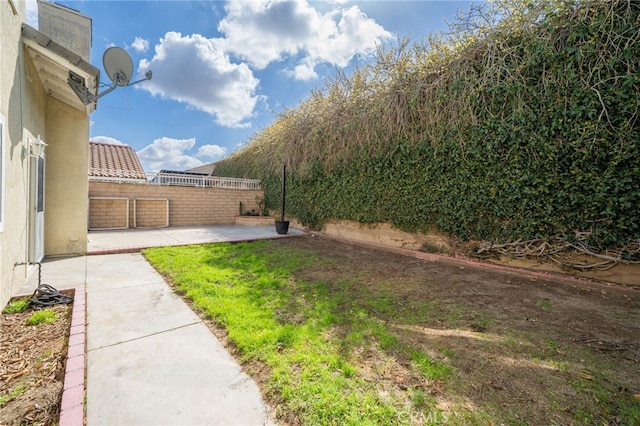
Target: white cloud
(169,154)
(31,7)
(265,31)
(140,44)
(355,35)
(196,71)
(211,151)
(261,32)
(304,72)
(107,139)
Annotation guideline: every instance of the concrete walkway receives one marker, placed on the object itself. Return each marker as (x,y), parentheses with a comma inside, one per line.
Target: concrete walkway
(150,359)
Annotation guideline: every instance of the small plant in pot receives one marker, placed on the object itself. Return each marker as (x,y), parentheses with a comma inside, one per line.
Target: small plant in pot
(282,226)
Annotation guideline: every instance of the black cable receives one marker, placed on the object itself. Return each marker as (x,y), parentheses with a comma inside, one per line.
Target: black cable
(45,295)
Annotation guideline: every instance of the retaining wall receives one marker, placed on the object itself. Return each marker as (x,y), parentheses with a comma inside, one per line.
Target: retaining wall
(383,234)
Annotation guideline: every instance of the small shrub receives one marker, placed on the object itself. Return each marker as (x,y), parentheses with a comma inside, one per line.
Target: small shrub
(16,306)
(45,316)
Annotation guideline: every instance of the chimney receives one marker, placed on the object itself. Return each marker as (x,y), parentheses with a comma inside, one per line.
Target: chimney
(66,27)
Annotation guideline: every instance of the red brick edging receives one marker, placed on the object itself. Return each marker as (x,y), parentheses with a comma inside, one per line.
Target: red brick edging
(72,406)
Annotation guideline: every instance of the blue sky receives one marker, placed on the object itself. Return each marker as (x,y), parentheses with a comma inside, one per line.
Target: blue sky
(223,70)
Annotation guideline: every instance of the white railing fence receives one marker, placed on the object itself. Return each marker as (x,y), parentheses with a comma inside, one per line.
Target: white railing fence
(174,179)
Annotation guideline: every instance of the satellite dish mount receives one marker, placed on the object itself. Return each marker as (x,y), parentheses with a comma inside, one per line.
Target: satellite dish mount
(119,68)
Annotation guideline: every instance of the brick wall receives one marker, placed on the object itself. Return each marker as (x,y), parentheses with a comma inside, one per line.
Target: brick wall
(188,206)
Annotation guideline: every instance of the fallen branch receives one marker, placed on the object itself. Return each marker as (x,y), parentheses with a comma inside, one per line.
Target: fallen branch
(558,250)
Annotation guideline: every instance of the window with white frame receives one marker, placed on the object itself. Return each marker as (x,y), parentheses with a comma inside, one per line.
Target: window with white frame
(2,170)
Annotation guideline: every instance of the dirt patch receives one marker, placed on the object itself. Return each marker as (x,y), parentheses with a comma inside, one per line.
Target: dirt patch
(521,348)
(32,360)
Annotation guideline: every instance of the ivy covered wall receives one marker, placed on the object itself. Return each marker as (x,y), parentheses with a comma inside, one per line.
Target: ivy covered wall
(527,128)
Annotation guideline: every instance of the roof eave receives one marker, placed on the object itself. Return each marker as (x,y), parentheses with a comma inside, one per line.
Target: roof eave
(54,63)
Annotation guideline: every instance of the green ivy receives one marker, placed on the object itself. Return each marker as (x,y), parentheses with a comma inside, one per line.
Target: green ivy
(551,147)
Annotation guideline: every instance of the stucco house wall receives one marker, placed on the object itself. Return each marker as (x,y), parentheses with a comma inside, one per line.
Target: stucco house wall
(29,112)
(18,101)
(67,181)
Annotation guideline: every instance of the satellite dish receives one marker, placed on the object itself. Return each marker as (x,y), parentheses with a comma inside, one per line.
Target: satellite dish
(118,66)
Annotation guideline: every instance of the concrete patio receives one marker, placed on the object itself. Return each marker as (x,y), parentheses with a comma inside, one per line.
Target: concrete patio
(131,240)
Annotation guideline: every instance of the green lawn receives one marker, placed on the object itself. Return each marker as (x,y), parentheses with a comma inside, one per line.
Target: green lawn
(309,334)
(331,340)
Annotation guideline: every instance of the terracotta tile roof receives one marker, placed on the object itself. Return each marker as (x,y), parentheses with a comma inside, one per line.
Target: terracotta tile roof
(106,160)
